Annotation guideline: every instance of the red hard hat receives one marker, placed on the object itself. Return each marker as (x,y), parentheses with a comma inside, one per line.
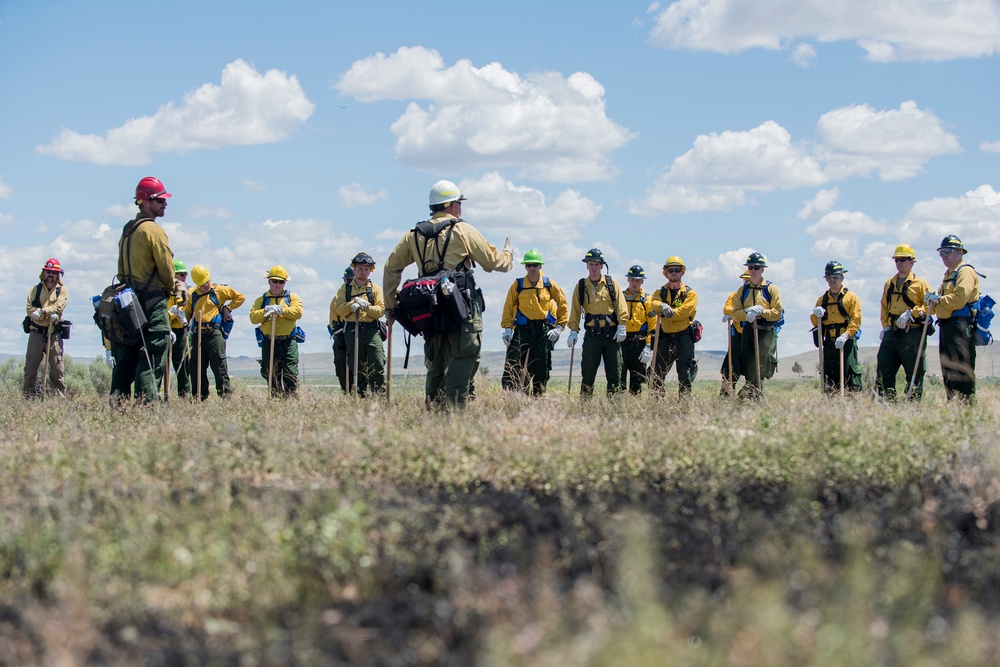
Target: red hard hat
(52,264)
(149,188)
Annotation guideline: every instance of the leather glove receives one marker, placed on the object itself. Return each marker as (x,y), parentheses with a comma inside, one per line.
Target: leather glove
(54,318)
(173,338)
(646,356)
(931,299)
(571,340)
(903,321)
(819,312)
(507,336)
(359,304)
(883,332)
(753,312)
(554,334)
(37,315)
(667,311)
(841,341)
(620,334)
(109,359)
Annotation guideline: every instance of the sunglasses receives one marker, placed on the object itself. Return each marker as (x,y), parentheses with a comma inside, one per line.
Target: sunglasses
(532,266)
(945,252)
(673,271)
(277,282)
(755,268)
(901,260)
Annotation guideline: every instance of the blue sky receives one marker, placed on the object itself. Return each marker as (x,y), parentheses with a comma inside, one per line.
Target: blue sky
(301,133)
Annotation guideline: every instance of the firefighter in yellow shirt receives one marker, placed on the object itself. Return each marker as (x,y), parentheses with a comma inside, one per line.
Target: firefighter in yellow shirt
(839,310)
(903,317)
(44,325)
(731,362)
(637,354)
(179,342)
(336,329)
(361,304)
(952,304)
(758,310)
(280,309)
(676,303)
(209,312)
(534,316)
(602,305)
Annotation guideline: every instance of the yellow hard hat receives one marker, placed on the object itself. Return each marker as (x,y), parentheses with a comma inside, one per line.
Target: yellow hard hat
(200,275)
(674,260)
(745,275)
(904,250)
(277,273)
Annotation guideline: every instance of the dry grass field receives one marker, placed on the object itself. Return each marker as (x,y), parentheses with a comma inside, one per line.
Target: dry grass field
(803,530)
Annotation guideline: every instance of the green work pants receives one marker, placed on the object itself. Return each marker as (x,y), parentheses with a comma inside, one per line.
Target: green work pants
(831,366)
(597,348)
(675,348)
(958,359)
(451,359)
(179,361)
(371,358)
(140,368)
(758,360)
(529,358)
(285,375)
(340,360)
(899,348)
(213,355)
(634,373)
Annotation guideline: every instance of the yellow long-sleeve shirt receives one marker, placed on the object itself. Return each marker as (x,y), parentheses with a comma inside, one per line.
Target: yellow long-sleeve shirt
(598,300)
(536,302)
(146,256)
(206,310)
(683,300)
(53,302)
(835,322)
(342,302)
(728,308)
(893,304)
(959,288)
(285,323)
(753,295)
(640,313)
(466,247)
(179,298)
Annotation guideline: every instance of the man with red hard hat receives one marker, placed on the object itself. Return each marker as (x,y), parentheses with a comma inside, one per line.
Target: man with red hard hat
(44,326)
(146,263)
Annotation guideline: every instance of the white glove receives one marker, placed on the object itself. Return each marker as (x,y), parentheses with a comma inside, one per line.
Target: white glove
(646,356)
(727,318)
(175,311)
(753,312)
(173,338)
(883,332)
(507,336)
(273,310)
(667,311)
(54,318)
(819,312)
(37,315)
(620,334)
(903,321)
(841,341)
(359,304)
(554,334)
(109,359)
(931,298)
(571,340)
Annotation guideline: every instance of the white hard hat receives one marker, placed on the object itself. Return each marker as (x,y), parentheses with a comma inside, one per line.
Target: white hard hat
(443,192)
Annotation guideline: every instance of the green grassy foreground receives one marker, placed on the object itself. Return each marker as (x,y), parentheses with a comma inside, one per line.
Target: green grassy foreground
(325,531)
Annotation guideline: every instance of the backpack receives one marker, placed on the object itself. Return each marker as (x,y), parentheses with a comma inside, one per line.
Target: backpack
(767,297)
(36,301)
(611,319)
(520,318)
(117,311)
(298,335)
(695,329)
(435,302)
(225,327)
(979,312)
(383,328)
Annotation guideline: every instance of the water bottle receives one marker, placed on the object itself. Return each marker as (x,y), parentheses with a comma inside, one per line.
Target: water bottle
(447,287)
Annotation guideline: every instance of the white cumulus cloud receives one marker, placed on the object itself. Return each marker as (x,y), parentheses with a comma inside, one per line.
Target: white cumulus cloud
(896,143)
(974,217)
(5,190)
(354,194)
(245,108)
(990,147)
(552,127)
(803,55)
(888,30)
(721,167)
(821,203)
